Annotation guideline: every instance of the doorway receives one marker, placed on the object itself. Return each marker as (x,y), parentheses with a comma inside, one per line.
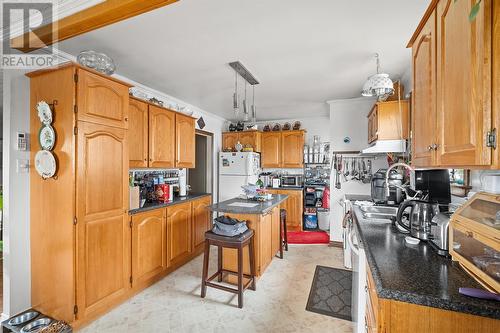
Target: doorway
(201,177)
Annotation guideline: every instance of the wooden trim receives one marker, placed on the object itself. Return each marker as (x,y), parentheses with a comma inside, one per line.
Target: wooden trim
(336,244)
(422,23)
(92,18)
(77,66)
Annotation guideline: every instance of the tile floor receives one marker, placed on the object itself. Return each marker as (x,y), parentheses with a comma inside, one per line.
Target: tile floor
(174,304)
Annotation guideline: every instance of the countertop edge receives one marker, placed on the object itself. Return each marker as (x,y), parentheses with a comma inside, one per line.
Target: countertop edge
(264,211)
(178,200)
(412,298)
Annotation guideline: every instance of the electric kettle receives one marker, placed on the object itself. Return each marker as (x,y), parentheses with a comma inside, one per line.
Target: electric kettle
(420,218)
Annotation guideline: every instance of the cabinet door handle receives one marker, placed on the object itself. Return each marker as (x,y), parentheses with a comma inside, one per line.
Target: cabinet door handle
(435,146)
(429,147)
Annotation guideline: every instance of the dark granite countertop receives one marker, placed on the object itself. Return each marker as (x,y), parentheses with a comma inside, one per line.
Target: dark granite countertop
(258,209)
(416,273)
(155,205)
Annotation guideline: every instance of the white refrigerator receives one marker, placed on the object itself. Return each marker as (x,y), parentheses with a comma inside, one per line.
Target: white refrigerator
(236,170)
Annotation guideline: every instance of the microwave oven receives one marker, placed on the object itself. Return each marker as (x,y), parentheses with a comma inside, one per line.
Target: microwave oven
(292,180)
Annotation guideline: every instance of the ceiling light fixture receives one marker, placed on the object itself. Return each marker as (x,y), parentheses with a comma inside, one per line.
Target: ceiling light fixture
(236,102)
(250,79)
(245,105)
(254,108)
(378,85)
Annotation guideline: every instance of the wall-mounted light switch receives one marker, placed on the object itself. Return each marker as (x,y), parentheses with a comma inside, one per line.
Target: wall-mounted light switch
(22,166)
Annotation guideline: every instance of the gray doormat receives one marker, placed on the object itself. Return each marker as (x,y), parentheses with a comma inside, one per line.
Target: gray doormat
(331,292)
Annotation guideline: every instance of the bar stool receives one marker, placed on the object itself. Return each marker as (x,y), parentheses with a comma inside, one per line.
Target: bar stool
(237,242)
(283,232)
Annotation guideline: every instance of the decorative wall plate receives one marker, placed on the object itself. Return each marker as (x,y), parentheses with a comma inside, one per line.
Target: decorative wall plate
(47,137)
(44,112)
(45,164)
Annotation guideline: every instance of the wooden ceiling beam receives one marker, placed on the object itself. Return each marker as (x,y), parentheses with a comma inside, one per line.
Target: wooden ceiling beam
(92,18)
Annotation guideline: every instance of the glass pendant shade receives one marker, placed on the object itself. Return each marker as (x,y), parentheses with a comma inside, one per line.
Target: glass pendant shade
(381,85)
(254,114)
(236,102)
(366,91)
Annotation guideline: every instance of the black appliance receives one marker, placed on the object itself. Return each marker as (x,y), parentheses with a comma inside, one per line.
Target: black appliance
(378,188)
(435,183)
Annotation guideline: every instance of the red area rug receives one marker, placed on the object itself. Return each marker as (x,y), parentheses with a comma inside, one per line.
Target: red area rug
(308,237)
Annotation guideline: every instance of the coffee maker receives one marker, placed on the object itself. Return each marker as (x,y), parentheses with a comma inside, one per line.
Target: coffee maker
(434,184)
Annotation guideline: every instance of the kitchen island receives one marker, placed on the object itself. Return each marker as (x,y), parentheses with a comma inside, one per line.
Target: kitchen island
(264,219)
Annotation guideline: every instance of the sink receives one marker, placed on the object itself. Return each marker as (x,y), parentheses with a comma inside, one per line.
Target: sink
(385,210)
(378,216)
(384,213)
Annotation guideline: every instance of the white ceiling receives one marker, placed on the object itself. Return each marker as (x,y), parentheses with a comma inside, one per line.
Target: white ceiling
(302,52)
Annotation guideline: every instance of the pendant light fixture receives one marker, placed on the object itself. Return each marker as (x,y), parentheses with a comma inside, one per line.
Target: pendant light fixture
(254,108)
(379,85)
(241,70)
(236,102)
(245,105)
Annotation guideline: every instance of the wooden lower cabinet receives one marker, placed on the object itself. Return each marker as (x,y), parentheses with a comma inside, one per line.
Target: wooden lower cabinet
(149,245)
(201,221)
(391,316)
(266,240)
(179,232)
(294,207)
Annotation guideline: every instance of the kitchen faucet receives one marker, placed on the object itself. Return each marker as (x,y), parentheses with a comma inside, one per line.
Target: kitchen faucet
(403,188)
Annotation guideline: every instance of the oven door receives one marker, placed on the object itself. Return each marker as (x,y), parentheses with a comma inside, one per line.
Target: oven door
(358,281)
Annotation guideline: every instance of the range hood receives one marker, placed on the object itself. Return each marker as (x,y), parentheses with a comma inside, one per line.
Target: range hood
(386,146)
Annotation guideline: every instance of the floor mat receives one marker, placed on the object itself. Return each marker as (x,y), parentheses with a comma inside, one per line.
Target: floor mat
(331,292)
(308,237)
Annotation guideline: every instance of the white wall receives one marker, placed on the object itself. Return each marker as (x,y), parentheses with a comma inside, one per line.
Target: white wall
(16,250)
(348,119)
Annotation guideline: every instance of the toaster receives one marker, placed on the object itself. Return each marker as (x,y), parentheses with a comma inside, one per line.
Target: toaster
(439,233)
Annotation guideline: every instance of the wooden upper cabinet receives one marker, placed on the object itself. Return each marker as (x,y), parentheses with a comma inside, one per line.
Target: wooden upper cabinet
(185,141)
(161,137)
(372,124)
(201,220)
(271,150)
(178,232)
(424,95)
(391,120)
(229,140)
(464,58)
(102,100)
(103,232)
(251,138)
(138,134)
(149,245)
(292,151)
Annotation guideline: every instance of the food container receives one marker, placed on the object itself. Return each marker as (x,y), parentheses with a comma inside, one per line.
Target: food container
(162,192)
(475,239)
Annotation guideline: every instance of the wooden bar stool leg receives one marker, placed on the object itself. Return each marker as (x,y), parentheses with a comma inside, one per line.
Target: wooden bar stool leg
(251,254)
(282,235)
(240,277)
(219,262)
(285,234)
(205,269)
